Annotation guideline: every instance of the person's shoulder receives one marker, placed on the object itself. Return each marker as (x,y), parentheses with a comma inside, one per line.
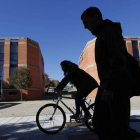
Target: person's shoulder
(112,28)
(72,66)
(108,29)
(111,31)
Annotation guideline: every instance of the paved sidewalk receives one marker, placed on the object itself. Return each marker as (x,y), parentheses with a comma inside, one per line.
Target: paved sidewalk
(18,122)
(30,108)
(25,128)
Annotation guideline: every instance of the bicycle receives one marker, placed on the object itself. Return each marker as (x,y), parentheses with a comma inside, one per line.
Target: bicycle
(53,121)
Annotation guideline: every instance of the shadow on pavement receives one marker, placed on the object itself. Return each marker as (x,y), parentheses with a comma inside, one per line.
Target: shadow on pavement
(30,131)
(135,118)
(6,105)
(22,130)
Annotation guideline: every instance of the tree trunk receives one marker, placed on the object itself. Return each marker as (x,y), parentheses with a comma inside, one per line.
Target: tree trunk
(21,94)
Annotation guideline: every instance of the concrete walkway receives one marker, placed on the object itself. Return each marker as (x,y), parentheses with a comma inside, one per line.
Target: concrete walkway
(30,108)
(18,122)
(25,128)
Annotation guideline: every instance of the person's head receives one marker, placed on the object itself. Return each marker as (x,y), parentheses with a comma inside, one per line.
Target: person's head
(64,65)
(91,18)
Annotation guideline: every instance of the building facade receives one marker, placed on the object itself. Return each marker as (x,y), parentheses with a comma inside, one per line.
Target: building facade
(21,52)
(87,58)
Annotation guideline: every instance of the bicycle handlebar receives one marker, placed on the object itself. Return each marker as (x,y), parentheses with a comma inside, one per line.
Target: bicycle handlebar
(58,93)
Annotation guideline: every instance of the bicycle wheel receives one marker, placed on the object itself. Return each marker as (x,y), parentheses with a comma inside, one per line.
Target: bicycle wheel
(49,124)
(89,122)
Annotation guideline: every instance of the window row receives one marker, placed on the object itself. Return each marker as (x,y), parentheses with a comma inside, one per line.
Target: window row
(12,68)
(13,56)
(13,47)
(135,49)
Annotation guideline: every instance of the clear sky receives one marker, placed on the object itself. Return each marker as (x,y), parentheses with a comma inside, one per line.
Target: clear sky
(57,27)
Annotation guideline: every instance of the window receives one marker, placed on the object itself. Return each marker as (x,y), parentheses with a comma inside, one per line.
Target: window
(1,48)
(1,62)
(12,69)
(13,55)
(135,49)
(1,67)
(14,62)
(14,40)
(1,57)
(14,48)
(0,74)
(0,85)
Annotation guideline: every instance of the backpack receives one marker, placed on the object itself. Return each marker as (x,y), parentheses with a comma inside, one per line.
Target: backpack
(133,70)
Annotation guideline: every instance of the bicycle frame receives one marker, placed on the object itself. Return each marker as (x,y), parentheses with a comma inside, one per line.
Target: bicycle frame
(60,99)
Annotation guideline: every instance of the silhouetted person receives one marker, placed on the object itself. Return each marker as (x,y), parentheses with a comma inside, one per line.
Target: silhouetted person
(82,81)
(111,118)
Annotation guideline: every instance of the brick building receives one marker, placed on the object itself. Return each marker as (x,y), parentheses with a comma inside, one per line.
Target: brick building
(87,58)
(21,52)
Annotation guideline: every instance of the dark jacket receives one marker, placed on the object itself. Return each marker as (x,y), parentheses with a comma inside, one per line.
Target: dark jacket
(82,80)
(110,54)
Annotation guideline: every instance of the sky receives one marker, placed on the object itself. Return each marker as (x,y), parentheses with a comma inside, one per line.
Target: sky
(56,25)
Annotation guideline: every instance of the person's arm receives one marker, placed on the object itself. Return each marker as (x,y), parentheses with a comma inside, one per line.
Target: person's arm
(66,79)
(113,41)
(117,54)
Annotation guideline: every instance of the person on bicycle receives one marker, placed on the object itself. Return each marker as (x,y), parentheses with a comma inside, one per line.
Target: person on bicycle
(82,81)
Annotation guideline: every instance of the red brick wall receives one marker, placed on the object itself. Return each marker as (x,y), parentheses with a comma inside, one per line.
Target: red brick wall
(129,45)
(6,68)
(22,51)
(29,56)
(35,94)
(87,63)
(36,68)
(6,71)
(33,43)
(7,97)
(41,65)
(87,57)
(32,55)
(35,75)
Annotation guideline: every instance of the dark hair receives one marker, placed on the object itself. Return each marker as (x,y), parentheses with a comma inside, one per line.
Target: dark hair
(91,11)
(65,63)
